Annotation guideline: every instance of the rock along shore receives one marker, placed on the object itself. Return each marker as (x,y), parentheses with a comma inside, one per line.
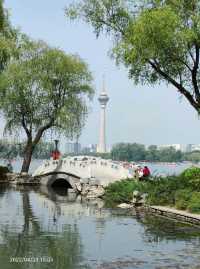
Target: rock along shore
(22,179)
(91,189)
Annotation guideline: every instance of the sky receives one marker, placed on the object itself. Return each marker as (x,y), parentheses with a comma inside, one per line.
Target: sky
(142,114)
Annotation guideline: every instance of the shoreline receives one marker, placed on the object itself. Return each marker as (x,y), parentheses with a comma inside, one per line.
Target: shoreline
(173,213)
(165,211)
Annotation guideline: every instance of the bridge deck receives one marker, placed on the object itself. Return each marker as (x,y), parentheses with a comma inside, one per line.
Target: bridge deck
(106,171)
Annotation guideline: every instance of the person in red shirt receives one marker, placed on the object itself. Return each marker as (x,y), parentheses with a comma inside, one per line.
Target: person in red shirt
(55,155)
(146,172)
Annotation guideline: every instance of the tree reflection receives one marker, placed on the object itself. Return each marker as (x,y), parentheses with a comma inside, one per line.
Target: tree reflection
(64,247)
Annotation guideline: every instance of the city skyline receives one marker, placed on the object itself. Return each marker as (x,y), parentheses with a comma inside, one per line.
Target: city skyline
(142,114)
(75,147)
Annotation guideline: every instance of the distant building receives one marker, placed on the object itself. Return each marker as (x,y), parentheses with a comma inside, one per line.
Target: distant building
(72,148)
(183,148)
(109,148)
(92,148)
(188,148)
(192,147)
(175,146)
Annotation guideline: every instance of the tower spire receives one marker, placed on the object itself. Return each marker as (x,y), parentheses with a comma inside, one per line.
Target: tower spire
(103,100)
(104,84)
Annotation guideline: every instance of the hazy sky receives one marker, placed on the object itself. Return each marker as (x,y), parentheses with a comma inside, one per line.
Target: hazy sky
(149,115)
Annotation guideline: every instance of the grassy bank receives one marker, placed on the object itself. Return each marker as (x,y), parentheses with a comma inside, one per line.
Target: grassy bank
(181,192)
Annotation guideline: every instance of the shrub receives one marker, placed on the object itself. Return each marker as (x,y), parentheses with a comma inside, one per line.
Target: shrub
(182,191)
(121,191)
(162,191)
(182,198)
(191,178)
(194,203)
(3,171)
(191,173)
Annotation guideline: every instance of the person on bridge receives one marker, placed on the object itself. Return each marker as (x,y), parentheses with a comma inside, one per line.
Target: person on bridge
(55,155)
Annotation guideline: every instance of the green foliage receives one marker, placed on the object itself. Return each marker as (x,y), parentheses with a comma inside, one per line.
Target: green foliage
(192,156)
(194,203)
(43,150)
(137,152)
(3,171)
(182,197)
(191,173)
(178,191)
(169,155)
(128,152)
(2,16)
(152,36)
(44,89)
(10,39)
(12,150)
(8,150)
(156,40)
(162,191)
(121,191)
(192,176)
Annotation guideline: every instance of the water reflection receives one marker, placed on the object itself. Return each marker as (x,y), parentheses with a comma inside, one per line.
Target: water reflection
(77,233)
(159,228)
(34,240)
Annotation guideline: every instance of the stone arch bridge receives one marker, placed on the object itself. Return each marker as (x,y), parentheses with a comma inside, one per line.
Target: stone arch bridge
(75,170)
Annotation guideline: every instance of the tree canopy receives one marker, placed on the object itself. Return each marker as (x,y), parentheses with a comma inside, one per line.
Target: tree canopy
(138,152)
(128,152)
(9,38)
(2,16)
(157,40)
(11,150)
(44,89)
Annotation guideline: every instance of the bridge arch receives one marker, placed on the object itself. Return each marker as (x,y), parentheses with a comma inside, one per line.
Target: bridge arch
(54,178)
(61,183)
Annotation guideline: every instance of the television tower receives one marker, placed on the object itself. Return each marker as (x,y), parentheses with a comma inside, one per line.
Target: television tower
(103,100)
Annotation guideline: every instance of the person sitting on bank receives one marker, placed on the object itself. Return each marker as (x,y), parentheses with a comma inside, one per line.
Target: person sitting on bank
(146,172)
(139,173)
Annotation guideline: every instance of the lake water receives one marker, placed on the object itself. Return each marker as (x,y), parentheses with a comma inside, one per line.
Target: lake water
(55,231)
(167,168)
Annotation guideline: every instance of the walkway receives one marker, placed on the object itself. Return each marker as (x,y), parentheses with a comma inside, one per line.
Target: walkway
(175,213)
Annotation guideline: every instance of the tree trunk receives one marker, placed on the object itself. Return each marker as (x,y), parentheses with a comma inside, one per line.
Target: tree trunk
(27,156)
(31,144)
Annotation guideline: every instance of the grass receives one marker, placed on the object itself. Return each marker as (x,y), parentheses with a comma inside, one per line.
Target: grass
(181,192)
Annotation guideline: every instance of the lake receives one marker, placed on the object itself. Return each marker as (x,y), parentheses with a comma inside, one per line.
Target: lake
(43,228)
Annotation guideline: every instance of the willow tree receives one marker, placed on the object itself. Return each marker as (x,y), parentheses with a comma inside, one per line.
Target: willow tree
(9,38)
(2,16)
(45,89)
(157,40)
